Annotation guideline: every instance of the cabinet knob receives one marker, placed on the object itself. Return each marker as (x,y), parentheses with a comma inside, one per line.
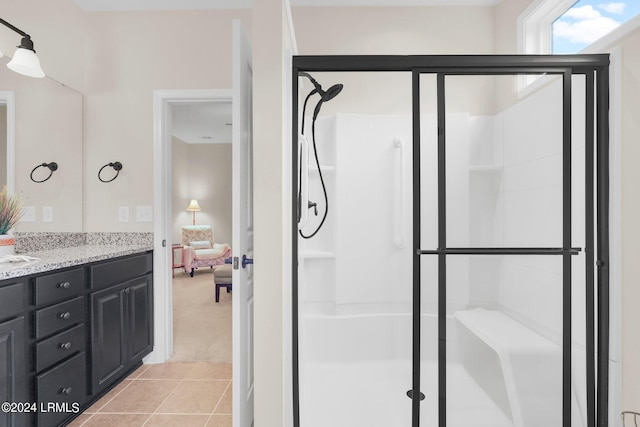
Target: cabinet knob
(65,345)
(64,316)
(64,285)
(65,390)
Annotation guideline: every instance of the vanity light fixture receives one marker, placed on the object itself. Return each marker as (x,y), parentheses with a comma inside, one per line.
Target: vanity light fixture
(24,60)
(53,166)
(117,166)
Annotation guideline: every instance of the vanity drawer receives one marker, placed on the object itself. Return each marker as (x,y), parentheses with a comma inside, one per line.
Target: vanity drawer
(65,385)
(56,348)
(59,286)
(59,316)
(11,300)
(110,273)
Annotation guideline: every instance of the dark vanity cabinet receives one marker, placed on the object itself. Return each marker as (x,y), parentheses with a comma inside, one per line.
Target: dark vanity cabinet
(122,314)
(68,336)
(12,351)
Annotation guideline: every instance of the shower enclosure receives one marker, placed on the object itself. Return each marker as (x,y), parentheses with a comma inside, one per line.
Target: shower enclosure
(450,241)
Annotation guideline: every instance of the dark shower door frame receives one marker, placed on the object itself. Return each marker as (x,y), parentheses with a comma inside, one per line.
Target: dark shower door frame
(596,71)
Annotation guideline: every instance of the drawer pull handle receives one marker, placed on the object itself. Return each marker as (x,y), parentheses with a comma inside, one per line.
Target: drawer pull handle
(64,285)
(64,316)
(65,345)
(66,390)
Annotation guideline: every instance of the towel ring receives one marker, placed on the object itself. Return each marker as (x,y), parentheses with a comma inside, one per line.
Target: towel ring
(117,166)
(53,166)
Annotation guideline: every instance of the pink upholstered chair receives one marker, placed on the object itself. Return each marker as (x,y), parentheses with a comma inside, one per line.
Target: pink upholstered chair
(200,248)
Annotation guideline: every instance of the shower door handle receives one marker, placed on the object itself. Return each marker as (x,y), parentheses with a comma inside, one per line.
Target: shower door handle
(400,240)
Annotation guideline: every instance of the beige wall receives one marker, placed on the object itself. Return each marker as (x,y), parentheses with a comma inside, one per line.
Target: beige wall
(505,32)
(132,54)
(202,172)
(630,214)
(180,187)
(118,60)
(395,31)
(271,145)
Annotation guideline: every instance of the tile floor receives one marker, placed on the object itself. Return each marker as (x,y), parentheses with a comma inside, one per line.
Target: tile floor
(186,394)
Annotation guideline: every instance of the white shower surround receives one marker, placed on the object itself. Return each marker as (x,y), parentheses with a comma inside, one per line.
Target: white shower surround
(356,290)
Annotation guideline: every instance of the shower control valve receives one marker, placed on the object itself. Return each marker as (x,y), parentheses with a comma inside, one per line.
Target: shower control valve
(314,205)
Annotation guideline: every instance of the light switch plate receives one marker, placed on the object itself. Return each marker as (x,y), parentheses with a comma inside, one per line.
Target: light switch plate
(144,214)
(47,214)
(29,214)
(123,214)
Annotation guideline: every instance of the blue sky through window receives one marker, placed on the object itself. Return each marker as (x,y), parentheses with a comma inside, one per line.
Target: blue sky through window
(588,20)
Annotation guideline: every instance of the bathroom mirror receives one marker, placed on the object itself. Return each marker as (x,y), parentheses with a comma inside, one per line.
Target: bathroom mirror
(47,127)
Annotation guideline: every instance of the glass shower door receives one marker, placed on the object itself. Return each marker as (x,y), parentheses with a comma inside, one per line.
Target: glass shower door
(509,250)
(453,283)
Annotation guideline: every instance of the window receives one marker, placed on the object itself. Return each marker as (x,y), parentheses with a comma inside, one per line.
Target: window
(571,26)
(589,20)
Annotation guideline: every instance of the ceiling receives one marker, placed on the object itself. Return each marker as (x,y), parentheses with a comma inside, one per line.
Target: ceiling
(202,122)
(113,5)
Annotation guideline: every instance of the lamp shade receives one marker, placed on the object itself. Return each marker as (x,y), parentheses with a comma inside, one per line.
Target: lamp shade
(26,62)
(193,206)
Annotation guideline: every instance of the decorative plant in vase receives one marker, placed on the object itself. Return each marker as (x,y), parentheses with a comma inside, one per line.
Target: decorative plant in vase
(11,210)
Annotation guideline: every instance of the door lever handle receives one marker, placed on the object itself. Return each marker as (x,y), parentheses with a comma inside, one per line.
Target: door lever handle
(246,261)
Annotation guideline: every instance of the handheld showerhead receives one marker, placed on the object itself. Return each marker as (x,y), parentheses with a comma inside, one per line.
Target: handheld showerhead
(331,93)
(327,95)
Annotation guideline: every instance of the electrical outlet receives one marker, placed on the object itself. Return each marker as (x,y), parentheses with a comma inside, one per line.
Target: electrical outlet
(29,214)
(123,214)
(144,214)
(47,214)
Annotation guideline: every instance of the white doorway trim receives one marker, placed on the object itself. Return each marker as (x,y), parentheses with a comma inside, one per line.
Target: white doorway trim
(162,227)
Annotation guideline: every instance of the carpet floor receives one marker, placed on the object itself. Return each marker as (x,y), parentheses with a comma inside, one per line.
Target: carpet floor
(201,327)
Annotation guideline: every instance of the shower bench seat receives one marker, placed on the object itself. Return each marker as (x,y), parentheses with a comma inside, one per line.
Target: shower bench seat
(518,368)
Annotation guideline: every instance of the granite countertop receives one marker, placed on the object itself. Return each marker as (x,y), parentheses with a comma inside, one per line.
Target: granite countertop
(53,259)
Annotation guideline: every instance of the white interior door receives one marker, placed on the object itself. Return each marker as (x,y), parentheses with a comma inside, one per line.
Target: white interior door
(242,153)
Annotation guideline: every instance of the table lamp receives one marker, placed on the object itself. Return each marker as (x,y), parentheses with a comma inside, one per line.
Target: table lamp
(194,207)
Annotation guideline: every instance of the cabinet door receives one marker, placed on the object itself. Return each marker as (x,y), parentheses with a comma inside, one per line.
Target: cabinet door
(108,336)
(12,369)
(140,314)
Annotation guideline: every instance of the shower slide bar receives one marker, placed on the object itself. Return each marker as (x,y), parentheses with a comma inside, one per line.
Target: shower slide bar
(501,251)
(303,208)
